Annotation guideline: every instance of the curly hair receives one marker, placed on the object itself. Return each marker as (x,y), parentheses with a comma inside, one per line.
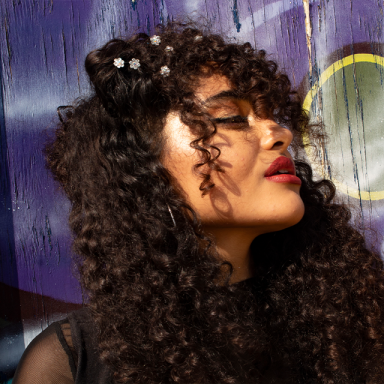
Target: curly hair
(313,312)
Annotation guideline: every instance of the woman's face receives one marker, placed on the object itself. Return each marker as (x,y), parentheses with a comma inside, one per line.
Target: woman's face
(249,194)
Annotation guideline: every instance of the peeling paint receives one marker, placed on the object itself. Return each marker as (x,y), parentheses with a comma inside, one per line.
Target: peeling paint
(308,33)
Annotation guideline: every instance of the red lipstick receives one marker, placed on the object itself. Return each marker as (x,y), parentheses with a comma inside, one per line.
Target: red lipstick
(282,170)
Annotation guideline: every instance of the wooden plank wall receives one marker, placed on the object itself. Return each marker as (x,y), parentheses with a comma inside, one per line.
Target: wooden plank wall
(331,49)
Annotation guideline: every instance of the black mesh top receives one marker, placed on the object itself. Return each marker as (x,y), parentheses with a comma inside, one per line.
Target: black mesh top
(64,353)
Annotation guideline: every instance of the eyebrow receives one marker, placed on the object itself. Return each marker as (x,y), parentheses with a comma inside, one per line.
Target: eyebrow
(233,95)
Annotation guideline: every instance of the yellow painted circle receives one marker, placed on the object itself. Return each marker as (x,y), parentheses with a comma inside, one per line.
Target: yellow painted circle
(330,71)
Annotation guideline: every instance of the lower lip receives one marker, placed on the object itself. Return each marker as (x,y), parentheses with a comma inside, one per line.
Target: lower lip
(284,178)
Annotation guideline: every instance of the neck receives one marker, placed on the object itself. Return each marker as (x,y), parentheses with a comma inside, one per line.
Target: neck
(233,245)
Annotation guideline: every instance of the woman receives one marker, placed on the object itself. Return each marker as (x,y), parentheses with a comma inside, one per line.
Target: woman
(208,257)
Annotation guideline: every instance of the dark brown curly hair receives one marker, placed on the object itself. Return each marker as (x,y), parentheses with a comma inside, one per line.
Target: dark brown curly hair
(313,313)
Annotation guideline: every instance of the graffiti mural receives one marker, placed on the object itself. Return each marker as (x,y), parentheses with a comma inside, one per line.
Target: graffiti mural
(332,50)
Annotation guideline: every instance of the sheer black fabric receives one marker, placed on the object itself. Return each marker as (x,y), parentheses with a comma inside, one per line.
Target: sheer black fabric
(65,353)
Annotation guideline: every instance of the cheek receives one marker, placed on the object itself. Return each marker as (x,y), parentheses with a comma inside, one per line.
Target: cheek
(179,158)
(238,161)
(178,144)
(177,139)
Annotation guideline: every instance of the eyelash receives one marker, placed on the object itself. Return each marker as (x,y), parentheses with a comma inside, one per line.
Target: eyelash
(231,120)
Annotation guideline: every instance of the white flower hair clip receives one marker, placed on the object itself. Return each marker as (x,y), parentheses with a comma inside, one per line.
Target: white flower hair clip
(165,71)
(134,63)
(118,62)
(198,38)
(155,40)
(168,48)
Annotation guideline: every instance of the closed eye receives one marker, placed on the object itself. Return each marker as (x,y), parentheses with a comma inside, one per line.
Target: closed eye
(231,120)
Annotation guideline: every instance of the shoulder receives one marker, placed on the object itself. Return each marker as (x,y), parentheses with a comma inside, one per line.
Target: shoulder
(66,353)
(45,360)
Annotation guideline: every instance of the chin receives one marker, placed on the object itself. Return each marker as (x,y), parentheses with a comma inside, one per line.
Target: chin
(291,219)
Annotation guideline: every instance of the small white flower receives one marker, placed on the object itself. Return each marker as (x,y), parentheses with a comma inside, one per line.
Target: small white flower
(164,70)
(118,62)
(168,48)
(134,63)
(155,40)
(198,38)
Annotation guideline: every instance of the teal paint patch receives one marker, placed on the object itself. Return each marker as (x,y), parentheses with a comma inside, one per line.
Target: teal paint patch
(354,120)
(350,94)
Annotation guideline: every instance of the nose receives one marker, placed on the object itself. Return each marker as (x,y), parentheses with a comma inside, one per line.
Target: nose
(274,136)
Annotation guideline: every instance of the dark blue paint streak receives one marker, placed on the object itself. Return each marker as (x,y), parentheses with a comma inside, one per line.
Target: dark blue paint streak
(236,19)
(11,348)
(8,267)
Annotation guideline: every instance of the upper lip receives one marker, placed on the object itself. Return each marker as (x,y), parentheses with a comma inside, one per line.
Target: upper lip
(279,164)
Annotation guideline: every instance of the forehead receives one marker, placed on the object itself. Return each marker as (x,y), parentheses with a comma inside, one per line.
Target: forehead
(216,93)
(211,86)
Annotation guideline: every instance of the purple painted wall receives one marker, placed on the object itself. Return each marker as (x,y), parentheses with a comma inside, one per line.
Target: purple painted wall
(43,45)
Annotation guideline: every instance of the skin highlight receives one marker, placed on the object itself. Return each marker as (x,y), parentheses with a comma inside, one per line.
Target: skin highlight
(243,204)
